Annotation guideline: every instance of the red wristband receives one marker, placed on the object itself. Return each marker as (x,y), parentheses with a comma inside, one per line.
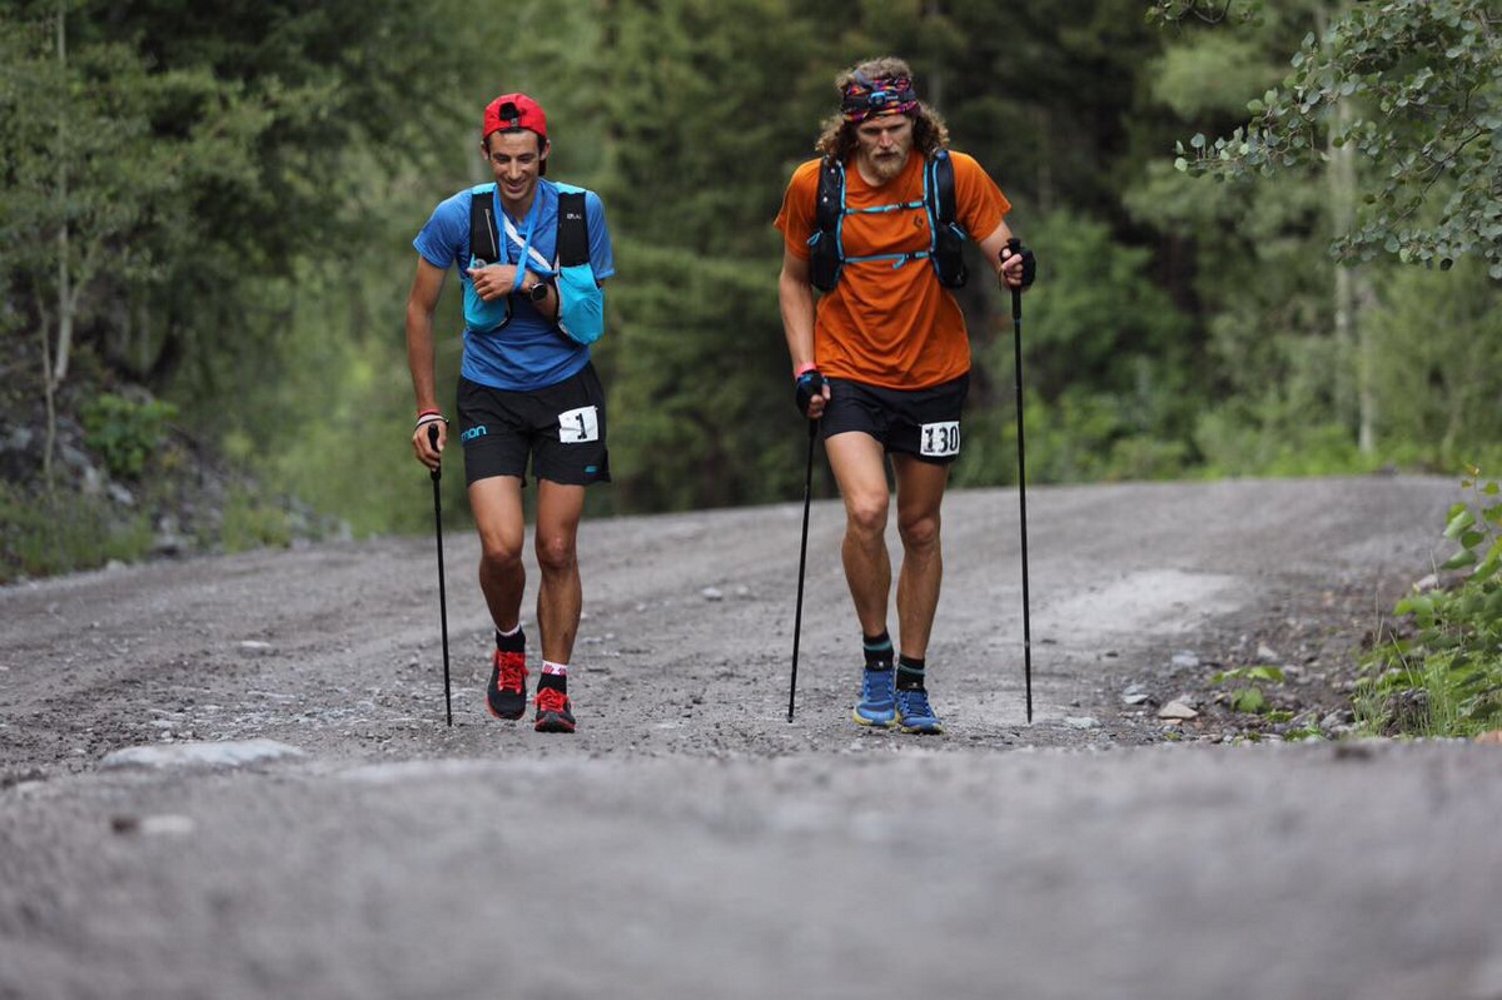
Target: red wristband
(429,413)
(804,369)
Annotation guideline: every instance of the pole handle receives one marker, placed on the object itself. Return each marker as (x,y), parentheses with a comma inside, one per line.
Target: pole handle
(434,474)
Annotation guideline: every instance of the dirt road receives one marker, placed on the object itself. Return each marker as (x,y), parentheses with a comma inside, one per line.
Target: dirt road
(295,820)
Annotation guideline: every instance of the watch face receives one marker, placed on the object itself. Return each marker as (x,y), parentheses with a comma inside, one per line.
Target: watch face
(539,292)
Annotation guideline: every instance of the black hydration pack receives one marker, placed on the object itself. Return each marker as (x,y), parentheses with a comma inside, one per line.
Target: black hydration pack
(580,308)
(946,236)
(573,227)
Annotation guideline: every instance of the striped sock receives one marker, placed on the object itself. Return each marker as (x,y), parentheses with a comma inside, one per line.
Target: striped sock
(514,641)
(909,673)
(554,675)
(878,650)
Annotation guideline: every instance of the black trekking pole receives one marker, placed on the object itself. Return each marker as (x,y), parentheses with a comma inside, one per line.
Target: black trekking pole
(443,607)
(808,486)
(1027,636)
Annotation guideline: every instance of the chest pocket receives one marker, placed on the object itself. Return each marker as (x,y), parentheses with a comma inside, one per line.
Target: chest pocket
(484,248)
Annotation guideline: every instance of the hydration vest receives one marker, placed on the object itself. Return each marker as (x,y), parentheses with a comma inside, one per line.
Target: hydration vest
(946,237)
(580,305)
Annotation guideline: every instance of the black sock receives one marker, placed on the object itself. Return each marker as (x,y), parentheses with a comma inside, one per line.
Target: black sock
(909,673)
(558,682)
(878,650)
(516,642)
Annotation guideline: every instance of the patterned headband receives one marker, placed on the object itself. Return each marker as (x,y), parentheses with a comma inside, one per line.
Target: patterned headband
(885,95)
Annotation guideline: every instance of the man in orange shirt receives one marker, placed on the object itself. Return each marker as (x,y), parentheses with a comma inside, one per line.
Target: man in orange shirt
(882,360)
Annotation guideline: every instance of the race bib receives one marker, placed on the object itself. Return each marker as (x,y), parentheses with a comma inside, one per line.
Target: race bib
(939,440)
(576,426)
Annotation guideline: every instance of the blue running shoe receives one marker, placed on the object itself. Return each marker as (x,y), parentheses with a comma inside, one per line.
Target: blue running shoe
(915,715)
(877,706)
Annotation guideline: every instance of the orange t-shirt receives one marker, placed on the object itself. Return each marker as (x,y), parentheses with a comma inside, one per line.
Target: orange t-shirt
(895,327)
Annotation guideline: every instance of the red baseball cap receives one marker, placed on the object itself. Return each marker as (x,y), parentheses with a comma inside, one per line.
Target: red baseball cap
(514,111)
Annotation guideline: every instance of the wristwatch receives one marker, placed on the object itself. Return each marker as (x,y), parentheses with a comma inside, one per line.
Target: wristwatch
(539,291)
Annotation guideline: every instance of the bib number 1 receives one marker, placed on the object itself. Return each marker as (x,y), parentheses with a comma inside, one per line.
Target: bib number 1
(939,440)
(578,426)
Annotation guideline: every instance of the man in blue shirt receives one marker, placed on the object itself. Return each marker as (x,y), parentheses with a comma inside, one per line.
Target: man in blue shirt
(527,389)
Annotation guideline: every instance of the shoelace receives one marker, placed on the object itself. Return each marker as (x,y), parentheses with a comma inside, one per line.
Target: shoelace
(874,683)
(513,671)
(914,703)
(551,700)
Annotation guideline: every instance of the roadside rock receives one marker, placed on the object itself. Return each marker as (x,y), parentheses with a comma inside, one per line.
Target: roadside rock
(228,754)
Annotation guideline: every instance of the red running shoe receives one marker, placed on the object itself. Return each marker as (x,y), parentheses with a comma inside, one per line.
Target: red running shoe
(554,713)
(507,695)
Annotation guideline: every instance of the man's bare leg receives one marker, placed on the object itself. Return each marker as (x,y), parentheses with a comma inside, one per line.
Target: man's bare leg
(496,503)
(920,492)
(560,596)
(859,466)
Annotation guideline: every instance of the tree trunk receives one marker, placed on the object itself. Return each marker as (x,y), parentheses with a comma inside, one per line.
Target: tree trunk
(1355,399)
(936,78)
(50,398)
(1364,300)
(54,373)
(66,300)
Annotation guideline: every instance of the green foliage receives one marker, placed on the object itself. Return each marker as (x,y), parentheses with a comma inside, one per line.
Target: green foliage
(1445,678)
(1174,12)
(125,432)
(251,522)
(1437,333)
(1212,74)
(191,152)
(1265,438)
(240,244)
(1422,84)
(48,534)
(1247,695)
(1106,366)
(701,412)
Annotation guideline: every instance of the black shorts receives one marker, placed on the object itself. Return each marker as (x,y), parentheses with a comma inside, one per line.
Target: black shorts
(561,428)
(924,423)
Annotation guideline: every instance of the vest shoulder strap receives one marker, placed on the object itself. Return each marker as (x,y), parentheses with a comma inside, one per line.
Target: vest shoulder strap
(573,228)
(941,191)
(484,228)
(829,203)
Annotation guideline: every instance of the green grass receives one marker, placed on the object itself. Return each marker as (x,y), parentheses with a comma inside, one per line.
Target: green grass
(49,534)
(1438,669)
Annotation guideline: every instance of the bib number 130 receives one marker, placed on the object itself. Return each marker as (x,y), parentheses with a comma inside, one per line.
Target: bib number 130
(940,440)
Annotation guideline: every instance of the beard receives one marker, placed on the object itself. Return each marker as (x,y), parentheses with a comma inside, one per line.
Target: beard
(887,167)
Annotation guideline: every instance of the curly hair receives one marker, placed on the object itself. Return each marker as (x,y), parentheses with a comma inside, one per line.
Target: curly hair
(837,136)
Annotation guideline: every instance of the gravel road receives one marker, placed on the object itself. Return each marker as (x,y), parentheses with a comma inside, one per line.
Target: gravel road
(230,777)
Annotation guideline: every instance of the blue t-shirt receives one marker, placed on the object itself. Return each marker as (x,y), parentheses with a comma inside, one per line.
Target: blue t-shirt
(528,352)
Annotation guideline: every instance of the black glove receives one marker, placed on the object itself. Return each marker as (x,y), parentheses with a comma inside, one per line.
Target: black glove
(1029,262)
(809,385)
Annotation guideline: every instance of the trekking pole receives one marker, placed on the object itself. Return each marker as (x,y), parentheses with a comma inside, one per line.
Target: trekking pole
(1027,636)
(443,607)
(808,485)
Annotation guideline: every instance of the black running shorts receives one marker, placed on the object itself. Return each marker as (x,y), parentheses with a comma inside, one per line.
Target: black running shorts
(561,428)
(924,423)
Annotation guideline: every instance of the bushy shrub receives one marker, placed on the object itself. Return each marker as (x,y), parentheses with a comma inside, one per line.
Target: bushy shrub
(1440,672)
(124,432)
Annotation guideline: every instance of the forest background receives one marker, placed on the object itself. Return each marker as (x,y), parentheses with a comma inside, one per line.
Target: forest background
(1269,235)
